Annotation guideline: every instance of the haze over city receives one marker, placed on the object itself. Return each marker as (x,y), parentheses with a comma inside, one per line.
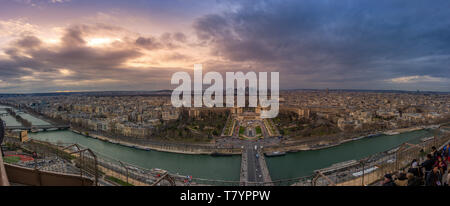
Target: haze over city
(78,45)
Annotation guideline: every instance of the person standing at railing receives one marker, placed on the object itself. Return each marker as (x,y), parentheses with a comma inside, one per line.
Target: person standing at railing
(414,169)
(435,153)
(448,177)
(441,164)
(428,164)
(434,178)
(388,180)
(445,152)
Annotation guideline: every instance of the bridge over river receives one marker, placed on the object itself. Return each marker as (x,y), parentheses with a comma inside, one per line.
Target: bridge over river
(38,127)
(36,123)
(254,169)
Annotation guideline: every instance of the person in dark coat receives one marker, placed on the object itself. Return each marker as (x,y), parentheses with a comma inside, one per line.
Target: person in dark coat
(414,169)
(428,164)
(388,180)
(434,153)
(434,178)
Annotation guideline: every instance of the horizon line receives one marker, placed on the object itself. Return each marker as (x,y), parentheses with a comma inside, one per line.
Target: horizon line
(162,90)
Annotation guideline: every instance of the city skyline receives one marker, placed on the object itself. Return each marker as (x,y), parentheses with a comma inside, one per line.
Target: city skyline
(166,92)
(81,46)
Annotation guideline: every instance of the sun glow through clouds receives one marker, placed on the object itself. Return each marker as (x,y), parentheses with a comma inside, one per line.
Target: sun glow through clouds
(95,42)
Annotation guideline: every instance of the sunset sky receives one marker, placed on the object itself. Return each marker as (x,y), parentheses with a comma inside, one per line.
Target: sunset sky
(90,45)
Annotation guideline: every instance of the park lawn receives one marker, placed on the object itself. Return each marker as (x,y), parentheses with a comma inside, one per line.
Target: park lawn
(241,130)
(11,159)
(258,130)
(229,127)
(118,181)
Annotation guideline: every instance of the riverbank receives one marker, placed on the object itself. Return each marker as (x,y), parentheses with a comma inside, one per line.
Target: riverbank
(199,166)
(186,148)
(166,147)
(194,150)
(304,163)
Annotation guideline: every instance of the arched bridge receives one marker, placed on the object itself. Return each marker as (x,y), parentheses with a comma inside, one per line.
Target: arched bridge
(38,127)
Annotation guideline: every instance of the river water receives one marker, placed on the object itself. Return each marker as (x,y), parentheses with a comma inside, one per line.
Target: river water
(226,168)
(204,166)
(303,163)
(33,120)
(9,120)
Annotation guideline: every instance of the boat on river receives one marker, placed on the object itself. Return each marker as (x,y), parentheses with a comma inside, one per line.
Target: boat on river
(274,154)
(218,154)
(425,139)
(366,171)
(390,133)
(338,167)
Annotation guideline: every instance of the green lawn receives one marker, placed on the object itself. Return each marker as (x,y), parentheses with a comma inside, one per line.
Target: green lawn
(11,159)
(241,130)
(258,130)
(229,127)
(118,181)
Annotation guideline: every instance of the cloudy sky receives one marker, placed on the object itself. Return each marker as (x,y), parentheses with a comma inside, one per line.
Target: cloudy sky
(86,45)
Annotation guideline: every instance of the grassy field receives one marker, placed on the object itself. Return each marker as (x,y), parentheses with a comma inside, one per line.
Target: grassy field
(258,130)
(241,130)
(229,127)
(11,159)
(118,181)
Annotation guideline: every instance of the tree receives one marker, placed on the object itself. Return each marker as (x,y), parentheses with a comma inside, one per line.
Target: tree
(215,133)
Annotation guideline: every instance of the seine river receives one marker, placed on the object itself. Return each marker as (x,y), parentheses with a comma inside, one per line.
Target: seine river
(305,162)
(227,168)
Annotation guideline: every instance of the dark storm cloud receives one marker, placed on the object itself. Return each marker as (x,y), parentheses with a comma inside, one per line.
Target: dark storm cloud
(85,58)
(165,41)
(73,37)
(29,42)
(178,36)
(148,43)
(19,65)
(29,58)
(72,54)
(32,65)
(343,40)
(10,69)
